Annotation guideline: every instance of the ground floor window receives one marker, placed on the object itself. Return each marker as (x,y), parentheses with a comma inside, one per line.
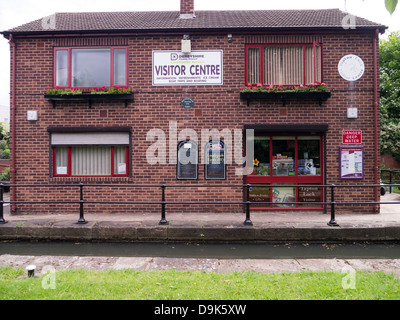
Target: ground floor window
(280,164)
(90,154)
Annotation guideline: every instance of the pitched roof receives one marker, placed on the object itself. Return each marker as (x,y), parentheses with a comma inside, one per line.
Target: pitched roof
(169,21)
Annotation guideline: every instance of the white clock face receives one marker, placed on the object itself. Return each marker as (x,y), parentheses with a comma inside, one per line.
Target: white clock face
(351,67)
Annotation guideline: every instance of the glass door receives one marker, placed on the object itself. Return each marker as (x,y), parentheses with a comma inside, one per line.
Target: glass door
(282,162)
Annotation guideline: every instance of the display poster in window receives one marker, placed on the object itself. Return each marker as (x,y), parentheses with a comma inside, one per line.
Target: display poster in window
(121,168)
(283,195)
(215,160)
(187,160)
(351,162)
(174,68)
(62,170)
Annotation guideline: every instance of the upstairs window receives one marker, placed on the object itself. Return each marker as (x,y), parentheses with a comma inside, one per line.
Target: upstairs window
(288,65)
(90,67)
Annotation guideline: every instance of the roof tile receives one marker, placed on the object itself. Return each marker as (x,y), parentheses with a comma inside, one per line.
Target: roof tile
(205,20)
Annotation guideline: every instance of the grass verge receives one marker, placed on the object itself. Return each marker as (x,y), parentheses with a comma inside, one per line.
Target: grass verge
(178,285)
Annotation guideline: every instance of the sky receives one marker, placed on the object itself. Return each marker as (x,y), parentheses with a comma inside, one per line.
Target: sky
(14,13)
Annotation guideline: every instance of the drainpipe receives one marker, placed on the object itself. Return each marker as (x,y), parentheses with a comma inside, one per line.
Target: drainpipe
(13,91)
(376,110)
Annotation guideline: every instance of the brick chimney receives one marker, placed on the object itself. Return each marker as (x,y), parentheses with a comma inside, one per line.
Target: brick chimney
(187,9)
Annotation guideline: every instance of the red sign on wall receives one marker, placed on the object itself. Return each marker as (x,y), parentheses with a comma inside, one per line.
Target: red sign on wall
(352,137)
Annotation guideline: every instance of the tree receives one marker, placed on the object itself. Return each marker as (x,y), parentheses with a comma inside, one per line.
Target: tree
(391,5)
(390,94)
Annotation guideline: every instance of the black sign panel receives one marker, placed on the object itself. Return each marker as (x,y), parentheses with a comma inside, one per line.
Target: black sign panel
(187,160)
(215,160)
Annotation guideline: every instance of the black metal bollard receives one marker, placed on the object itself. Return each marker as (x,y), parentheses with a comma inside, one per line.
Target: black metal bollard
(248,222)
(163,221)
(2,221)
(81,218)
(333,222)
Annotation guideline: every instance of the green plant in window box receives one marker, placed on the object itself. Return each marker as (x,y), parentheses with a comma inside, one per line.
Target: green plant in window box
(57,91)
(60,91)
(280,88)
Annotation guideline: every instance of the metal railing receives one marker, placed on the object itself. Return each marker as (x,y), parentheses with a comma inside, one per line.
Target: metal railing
(163,203)
(390,176)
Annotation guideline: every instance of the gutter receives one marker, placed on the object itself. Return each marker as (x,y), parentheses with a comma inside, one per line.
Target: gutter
(179,31)
(376,108)
(13,106)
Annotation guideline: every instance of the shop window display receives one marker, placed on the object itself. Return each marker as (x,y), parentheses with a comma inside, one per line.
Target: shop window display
(280,163)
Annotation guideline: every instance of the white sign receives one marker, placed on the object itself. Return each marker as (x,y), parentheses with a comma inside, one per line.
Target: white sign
(174,68)
(121,168)
(62,170)
(351,67)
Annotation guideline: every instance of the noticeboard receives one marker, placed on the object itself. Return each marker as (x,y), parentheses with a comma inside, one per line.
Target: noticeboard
(187,160)
(215,160)
(351,164)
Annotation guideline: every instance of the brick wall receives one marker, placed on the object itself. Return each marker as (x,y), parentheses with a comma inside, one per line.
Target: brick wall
(187,6)
(216,107)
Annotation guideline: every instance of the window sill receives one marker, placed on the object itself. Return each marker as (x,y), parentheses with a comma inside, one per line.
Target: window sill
(90,98)
(318,96)
(90,179)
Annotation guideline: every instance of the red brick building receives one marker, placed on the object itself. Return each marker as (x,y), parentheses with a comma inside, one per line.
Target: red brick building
(301,87)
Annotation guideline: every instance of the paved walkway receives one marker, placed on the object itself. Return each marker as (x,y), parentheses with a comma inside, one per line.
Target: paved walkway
(345,266)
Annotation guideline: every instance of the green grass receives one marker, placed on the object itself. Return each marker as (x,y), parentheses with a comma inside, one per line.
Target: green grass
(175,285)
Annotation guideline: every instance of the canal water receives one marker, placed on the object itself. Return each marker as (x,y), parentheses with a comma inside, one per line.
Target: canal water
(209,251)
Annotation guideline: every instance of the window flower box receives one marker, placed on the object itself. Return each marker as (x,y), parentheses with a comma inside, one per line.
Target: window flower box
(97,94)
(319,93)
